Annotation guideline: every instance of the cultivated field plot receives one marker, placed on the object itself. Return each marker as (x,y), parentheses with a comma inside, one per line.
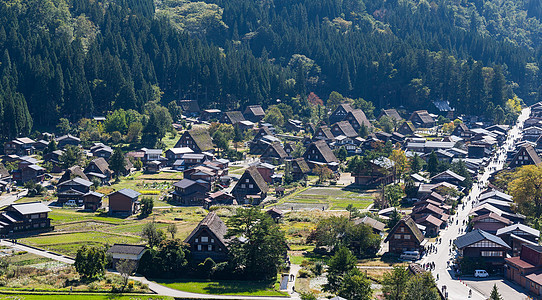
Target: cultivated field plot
(326,198)
(75,228)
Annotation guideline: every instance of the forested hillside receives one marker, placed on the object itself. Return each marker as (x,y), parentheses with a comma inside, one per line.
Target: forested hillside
(78,58)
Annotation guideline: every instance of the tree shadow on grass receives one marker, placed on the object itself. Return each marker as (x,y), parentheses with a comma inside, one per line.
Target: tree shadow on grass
(237,287)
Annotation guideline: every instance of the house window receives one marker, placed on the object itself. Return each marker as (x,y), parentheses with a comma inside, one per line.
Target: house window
(199,247)
(212,240)
(209,247)
(204,239)
(491,253)
(406,237)
(246,180)
(196,240)
(243,185)
(402,229)
(397,236)
(251,186)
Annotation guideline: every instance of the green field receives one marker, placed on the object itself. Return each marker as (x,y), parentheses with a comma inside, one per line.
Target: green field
(330,198)
(80,296)
(225,287)
(69,243)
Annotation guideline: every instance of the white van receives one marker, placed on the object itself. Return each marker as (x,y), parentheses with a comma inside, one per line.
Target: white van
(410,255)
(481,273)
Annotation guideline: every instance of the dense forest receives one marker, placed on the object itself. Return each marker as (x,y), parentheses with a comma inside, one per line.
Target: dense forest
(79,58)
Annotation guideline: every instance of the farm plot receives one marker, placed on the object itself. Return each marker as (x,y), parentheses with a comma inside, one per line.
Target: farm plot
(326,198)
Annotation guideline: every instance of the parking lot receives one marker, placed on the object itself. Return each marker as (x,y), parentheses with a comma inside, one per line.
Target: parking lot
(507,289)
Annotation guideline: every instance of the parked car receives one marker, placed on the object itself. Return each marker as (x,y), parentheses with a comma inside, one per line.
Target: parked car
(410,255)
(481,273)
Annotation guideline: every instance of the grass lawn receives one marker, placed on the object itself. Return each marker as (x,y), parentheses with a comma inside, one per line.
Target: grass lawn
(59,216)
(298,258)
(224,287)
(52,296)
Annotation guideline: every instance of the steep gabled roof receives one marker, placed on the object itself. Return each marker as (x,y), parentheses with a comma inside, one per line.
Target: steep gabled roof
(360,117)
(392,113)
(531,153)
(326,131)
(423,115)
(346,128)
(302,164)
(101,164)
(202,138)
(449,173)
(258,179)
(214,224)
(255,110)
(429,207)
(476,236)
(79,181)
(325,151)
(277,147)
(235,116)
(72,172)
(408,222)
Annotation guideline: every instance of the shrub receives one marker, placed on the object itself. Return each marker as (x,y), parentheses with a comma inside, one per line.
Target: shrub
(303,273)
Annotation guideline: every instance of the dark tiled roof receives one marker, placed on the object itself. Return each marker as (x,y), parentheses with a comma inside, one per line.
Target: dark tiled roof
(450,174)
(478,235)
(128,193)
(213,223)
(30,208)
(78,180)
(127,249)
(184,183)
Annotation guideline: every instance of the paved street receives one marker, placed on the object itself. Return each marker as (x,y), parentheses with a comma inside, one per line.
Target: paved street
(10,198)
(457,289)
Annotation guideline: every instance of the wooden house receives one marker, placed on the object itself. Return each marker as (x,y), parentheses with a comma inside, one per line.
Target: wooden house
(526,155)
(198,140)
(526,268)
(405,236)
(340,113)
(391,113)
(208,239)
(274,154)
(124,202)
(66,140)
(24,217)
(482,245)
(73,189)
(92,200)
(251,188)
(517,235)
(300,168)
(190,192)
(343,128)
(490,222)
(319,153)
(123,252)
(254,113)
(356,118)
(232,117)
(421,118)
(407,129)
(99,168)
(323,133)
(219,198)
(20,146)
